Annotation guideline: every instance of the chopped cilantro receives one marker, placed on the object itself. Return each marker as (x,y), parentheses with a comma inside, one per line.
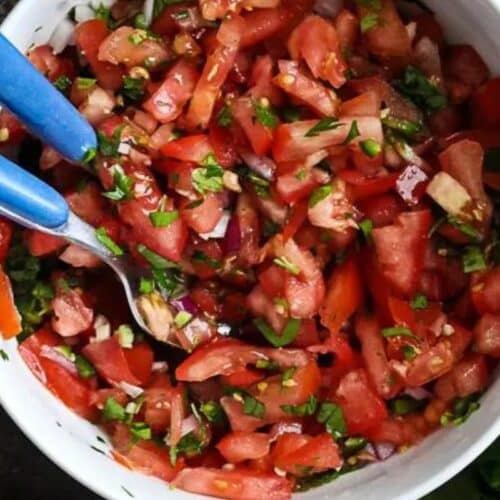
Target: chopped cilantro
(163,219)
(303,410)
(366,227)
(369,21)
(113,410)
(108,146)
(89,156)
(208,177)
(353,133)
(138,37)
(405,405)
(141,431)
(160,5)
(265,115)
(85,83)
(397,331)
(203,258)
(213,412)
(332,416)
(287,265)
(189,445)
(103,13)
(319,194)
(419,302)
(286,337)
(63,83)
(84,367)
(323,126)
(473,259)
(225,116)
(464,228)
(104,238)
(133,88)
(4,355)
(157,261)
(461,410)
(169,281)
(140,22)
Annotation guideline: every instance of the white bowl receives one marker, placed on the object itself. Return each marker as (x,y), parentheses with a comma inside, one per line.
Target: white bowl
(67,439)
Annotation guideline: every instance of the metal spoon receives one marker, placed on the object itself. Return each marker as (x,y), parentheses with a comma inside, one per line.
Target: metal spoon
(26,199)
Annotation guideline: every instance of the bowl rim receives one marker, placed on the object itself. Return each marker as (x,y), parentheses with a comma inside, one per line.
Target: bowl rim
(105,490)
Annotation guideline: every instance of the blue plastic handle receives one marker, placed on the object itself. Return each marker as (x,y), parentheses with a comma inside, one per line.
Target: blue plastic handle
(24,195)
(41,107)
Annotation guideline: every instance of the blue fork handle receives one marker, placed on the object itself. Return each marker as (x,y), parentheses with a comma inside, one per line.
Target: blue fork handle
(41,107)
(26,196)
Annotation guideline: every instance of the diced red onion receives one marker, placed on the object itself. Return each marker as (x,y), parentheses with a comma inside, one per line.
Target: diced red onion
(418,393)
(328,8)
(261,165)
(220,229)
(189,424)
(232,238)
(184,303)
(51,353)
(384,450)
(133,391)
(369,448)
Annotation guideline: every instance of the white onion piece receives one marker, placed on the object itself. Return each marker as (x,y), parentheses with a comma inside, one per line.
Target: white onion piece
(148,11)
(418,393)
(104,3)
(189,424)
(384,450)
(102,328)
(62,36)
(219,231)
(160,367)
(84,13)
(52,354)
(133,391)
(261,165)
(281,428)
(328,8)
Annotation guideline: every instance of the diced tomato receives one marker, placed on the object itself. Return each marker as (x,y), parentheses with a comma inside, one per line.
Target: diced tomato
(217,67)
(297,185)
(362,186)
(40,244)
(389,37)
(343,297)
(178,17)
(362,407)
(14,128)
(486,292)
(6,231)
(10,319)
(140,361)
(399,432)
(71,314)
(262,24)
(203,268)
(49,64)
(88,203)
(485,106)
(296,218)
(381,209)
(167,102)
(466,65)
(193,148)
(260,304)
(243,378)
(272,281)
(110,361)
(202,218)
(259,136)
(224,145)
(347,26)
(430,365)
(228,356)
(249,229)
(261,80)
(400,249)
(469,376)
(487,335)
(305,89)
(118,48)
(320,452)
(88,37)
(292,143)
(366,104)
(236,484)
(237,447)
(373,351)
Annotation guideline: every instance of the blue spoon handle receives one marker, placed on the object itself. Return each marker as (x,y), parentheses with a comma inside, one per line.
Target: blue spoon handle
(25,196)
(41,107)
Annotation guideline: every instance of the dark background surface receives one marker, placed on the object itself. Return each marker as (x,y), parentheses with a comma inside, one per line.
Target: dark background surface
(28,475)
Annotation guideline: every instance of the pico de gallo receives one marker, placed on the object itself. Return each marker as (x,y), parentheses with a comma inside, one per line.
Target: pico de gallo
(310,190)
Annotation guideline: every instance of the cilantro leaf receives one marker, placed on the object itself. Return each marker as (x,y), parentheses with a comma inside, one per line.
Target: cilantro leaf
(287,335)
(324,125)
(332,416)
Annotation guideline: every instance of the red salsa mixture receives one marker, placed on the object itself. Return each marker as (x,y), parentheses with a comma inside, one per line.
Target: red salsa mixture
(309,188)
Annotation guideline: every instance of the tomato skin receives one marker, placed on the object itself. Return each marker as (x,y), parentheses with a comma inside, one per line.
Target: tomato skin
(362,186)
(204,217)
(167,102)
(140,361)
(272,280)
(192,148)
(296,186)
(224,145)
(343,297)
(400,249)
(366,104)
(466,65)
(373,352)
(469,376)
(233,484)
(73,391)
(486,292)
(430,365)
(363,409)
(485,106)
(295,220)
(389,39)
(40,244)
(6,232)
(320,452)
(88,38)
(49,64)
(110,361)
(381,209)
(487,335)
(240,446)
